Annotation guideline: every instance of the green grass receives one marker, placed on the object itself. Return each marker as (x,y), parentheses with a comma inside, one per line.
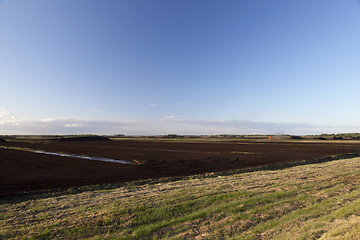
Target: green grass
(310,201)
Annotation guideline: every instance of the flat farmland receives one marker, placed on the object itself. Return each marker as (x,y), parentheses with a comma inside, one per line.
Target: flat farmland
(23,170)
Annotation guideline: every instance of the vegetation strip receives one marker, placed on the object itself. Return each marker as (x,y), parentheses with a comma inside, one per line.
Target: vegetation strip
(300,202)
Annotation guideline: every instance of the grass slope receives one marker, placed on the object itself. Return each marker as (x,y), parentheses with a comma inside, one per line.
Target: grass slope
(314,201)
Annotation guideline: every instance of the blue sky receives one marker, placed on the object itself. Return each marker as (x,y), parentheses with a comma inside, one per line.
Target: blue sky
(187,67)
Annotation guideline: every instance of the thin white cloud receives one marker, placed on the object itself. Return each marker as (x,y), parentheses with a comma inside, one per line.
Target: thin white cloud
(73,125)
(154,104)
(8,117)
(251,127)
(10,124)
(96,112)
(180,103)
(168,118)
(46,120)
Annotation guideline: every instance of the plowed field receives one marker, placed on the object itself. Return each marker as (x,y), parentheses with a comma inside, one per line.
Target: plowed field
(26,171)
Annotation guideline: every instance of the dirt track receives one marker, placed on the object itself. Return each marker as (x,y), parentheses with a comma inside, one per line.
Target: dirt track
(27,171)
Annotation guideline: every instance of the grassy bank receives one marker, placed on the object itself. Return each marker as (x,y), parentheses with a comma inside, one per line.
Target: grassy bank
(301,202)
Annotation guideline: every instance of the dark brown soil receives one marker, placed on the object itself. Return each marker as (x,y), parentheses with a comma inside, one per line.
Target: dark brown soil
(81,139)
(28,171)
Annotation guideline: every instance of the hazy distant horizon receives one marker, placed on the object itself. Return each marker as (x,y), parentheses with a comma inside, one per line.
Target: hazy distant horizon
(139,67)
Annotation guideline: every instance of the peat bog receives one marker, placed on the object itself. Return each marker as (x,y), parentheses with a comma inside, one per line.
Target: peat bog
(29,171)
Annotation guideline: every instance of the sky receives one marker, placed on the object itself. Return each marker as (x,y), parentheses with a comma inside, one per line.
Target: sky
(140,67)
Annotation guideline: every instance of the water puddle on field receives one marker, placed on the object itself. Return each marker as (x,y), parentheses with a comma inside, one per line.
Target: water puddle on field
(77,156)
(84,157)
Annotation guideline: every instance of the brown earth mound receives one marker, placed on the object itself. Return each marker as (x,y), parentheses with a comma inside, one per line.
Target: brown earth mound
(81,139)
